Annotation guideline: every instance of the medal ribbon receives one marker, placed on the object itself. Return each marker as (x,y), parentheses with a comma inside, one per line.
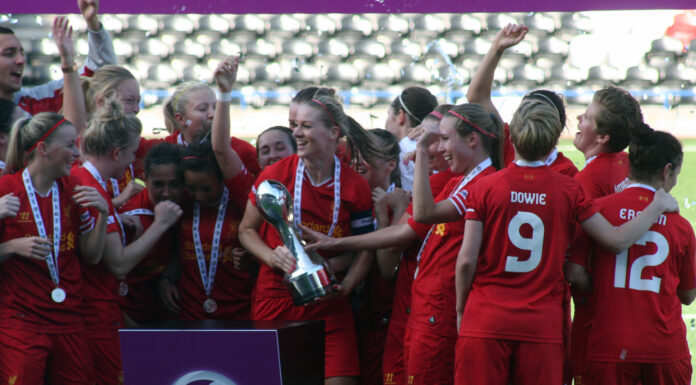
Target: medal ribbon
(208,275)
(95,174)
(297,200)
(52,260)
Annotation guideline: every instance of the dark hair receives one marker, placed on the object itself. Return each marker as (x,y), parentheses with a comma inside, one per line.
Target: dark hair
(7,109)
(416,102)
(284,130)
(619,114)
(390,151)
(199,157)
(553,99)
(441,109)
(163,153)
(480,120)
(6,31)
(308,93)
(650,151)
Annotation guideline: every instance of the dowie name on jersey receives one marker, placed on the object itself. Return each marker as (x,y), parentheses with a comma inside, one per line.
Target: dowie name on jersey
(528,198)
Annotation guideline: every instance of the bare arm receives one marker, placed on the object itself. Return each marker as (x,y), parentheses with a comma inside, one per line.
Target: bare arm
(92,243)
(687,296)
(578,277)
(479,90)
(467,260)
(389,258)
(278,258)
(120,260)
(228,160)
(425,210)
(73,98)
(617,239)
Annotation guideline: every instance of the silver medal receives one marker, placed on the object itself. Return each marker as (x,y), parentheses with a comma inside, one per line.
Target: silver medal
(210,306)
(58,295)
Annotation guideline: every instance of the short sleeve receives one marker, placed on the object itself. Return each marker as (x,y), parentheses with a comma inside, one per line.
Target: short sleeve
(687,275)
(475,209)
(584,206)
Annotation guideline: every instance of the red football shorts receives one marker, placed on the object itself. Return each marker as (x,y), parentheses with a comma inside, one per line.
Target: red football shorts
(29,358)
(106,356)
(625,373)
(429,358)
(393,358)
(494,361)
(340,341)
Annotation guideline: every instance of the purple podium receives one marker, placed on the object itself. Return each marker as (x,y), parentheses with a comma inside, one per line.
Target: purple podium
(224,353)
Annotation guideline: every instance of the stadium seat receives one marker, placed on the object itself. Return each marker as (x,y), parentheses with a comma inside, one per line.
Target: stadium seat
(224,47)
(148,24)
(214,23)
(474,51)
(321,25)
(341,76)
(207,37)
(190,47)
(664,52)
(304,76)
(462,26)
(246,28)
(540,24)
(333,50)
(415,73)
(267,75)
(573,24)
(525,76)
(496,21)
(112,23)
(370,48)
(603,75)
(161,76)
(201,73)
(678,76)
(405,49)
(283,27)
(441,48)
(551,51)
(354,27)
(179,23)
(260,49)
(297,48)
(428,26)
(393,26)
(378,76)
(154,48)
(640,78)
(565,76)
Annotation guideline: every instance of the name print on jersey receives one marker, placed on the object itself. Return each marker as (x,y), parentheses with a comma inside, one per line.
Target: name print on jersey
(528,198)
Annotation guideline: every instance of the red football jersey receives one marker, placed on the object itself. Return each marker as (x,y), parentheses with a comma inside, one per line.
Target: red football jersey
(355,214)
(563,165)
(102,313)
(605,174)
(232,288)
(637,314)
(246,152)
(25,284)
(433,299)
(142,302)
(528,215)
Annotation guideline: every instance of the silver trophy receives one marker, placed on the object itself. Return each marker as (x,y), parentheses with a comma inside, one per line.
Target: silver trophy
(312,277)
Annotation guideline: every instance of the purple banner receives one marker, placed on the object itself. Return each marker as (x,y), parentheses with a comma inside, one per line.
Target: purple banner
(340,6)
(176,357)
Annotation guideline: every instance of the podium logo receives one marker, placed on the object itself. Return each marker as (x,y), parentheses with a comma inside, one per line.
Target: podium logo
(204,377)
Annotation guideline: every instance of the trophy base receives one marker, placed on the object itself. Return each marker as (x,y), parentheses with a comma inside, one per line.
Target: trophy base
(306,287)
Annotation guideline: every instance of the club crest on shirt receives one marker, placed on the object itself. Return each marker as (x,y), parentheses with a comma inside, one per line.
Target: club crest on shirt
(25,217)
(440,229)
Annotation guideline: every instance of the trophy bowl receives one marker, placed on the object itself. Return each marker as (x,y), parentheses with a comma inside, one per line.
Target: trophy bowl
(312,277)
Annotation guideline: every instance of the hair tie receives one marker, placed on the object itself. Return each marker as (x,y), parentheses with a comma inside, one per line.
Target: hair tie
(436,114)
(327,112)
(46,135)
(558,115)
(488,134)
(183,90)
(194,157)
(407,111)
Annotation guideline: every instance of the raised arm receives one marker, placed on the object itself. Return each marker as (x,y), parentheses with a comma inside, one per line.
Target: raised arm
(425,210)
(481,84)
(100,50)
(73,97)
(228,160)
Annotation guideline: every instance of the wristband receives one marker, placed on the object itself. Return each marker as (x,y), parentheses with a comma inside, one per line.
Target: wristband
(69,68)
(225,96)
